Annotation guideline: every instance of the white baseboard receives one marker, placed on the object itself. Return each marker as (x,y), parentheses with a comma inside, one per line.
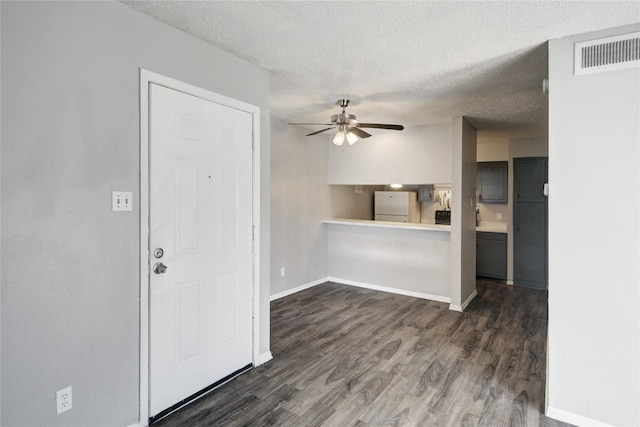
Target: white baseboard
(468,300)
(421,295)
(460,308)
(264,358)
(390,290)
(297,289)
(575,419)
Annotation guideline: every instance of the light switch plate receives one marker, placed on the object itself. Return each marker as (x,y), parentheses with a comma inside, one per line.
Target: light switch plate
(121,201)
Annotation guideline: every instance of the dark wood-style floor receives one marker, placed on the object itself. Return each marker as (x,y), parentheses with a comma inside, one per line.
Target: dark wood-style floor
(346,356)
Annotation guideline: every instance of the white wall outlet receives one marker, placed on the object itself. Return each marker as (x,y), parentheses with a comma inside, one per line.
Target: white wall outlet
(64,400)
(121,201)
(282,271)
(499,215)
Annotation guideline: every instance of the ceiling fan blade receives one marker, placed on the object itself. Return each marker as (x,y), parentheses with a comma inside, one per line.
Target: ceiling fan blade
(380,126)
(319,131)
(360,132)
(311,124)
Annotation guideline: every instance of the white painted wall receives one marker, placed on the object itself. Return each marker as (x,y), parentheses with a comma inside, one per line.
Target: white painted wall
(416,155)
(70,135)
(299,202)
(594,298)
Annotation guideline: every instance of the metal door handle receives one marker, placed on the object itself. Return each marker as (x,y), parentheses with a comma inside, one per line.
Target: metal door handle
(159,268)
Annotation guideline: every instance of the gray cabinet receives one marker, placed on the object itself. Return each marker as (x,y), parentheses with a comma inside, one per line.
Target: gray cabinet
(492,182)
(491,255)
(425,193)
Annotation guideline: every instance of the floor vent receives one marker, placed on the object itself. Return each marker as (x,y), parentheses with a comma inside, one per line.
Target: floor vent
(611,53)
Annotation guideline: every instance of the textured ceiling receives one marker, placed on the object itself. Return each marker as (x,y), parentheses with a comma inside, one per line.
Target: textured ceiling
(411,63)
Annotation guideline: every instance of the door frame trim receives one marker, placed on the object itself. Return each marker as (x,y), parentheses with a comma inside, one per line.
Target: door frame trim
(146,78)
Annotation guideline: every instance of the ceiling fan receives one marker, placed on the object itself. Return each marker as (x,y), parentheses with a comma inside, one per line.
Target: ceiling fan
(349,128)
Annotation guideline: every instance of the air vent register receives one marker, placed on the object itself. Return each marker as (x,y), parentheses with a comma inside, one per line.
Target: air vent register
(607,54)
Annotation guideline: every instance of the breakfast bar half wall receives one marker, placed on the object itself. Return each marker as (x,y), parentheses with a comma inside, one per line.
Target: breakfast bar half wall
(402,258)
(413,259)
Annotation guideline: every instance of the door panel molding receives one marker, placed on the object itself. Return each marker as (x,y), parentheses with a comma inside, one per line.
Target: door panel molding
(190,130)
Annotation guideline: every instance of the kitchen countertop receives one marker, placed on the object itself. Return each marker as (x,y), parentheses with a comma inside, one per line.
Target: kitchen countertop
(492,227)
(488,227)
(388,224)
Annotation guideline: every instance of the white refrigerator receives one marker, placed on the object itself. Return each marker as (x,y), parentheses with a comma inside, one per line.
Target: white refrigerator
(396,206)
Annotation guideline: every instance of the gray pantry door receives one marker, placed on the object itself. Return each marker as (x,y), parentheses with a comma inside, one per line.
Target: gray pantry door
(530,248)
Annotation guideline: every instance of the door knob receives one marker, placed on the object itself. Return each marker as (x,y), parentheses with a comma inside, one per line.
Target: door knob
(159,268)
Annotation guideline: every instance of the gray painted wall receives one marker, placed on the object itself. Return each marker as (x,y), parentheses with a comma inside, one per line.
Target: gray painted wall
(463,211)
(420,154)
(299,202)
(302,198)
(594,298)
(70,135)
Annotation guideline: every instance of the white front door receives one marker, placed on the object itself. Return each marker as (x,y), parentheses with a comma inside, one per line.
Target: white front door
(200,222)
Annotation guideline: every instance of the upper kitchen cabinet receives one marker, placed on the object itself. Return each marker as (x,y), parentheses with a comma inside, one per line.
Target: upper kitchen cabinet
(492,182)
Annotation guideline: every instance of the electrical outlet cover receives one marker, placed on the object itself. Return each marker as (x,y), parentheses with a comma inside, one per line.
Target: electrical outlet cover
(64,400)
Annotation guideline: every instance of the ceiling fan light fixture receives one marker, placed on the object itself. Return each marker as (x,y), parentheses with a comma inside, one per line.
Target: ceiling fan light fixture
(352,138)
(348,127)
